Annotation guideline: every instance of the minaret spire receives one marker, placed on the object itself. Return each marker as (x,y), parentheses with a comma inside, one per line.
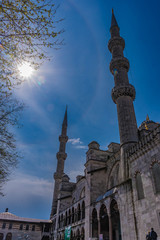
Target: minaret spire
(61,157)
(113,21)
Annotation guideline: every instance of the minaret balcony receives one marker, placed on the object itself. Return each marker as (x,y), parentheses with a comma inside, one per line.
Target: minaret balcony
(61,155)
(119,91)
(63,138)
(116,41)
(119,62)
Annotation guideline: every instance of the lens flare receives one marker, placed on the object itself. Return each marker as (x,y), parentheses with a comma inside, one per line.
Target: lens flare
(25,70)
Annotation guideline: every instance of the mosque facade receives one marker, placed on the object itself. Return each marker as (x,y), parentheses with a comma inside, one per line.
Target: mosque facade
(118,197)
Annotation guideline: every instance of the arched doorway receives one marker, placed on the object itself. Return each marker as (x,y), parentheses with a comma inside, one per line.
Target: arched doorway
(1,236)
(82,234)
(104,222)
(9,236)
(78,235)
(94,224)
(115,219)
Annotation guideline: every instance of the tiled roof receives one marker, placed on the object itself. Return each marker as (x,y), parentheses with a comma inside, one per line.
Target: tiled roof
(12,217)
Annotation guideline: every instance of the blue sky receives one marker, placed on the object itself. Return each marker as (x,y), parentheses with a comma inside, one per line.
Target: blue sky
(79,76)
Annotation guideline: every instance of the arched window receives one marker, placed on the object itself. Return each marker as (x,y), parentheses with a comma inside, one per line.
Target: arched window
(94,224)
(10,226)
(82,193)
(4,226)
(156,176)
(21,227)
(73,215)
(79,212)
(139,186)
(69,217)
(66,219)
(62,223)
(33,227)
(83,210)
(27,227)
(9,236)
(111,181)
(1,236)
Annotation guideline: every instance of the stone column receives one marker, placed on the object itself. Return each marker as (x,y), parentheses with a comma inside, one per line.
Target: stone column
(99,225)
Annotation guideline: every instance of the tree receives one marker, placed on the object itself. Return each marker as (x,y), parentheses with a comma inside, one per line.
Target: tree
(28,28)
(9,114)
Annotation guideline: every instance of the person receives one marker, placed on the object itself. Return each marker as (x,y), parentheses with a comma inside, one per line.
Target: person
(153,234)
(148,236)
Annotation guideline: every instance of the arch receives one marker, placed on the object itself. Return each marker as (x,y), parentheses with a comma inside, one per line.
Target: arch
(9,236)
(82,234)
(66,217)
(62,221)
(104,222)
(115,220)
(69,216)
(82,195)
(1,236)
(59,222)
(83,210)
(73,215)
(113,178)
(156,174)
(79,212)
(71,235)
(94,224)
(139,186)
(78,234)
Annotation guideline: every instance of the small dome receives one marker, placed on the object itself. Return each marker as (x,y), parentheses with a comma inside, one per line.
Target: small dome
(93,145)
(65,178)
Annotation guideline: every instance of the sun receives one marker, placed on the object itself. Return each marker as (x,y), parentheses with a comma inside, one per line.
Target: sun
(25,70)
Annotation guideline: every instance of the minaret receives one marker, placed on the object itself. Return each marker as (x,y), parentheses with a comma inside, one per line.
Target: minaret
(123,94)
(61,157)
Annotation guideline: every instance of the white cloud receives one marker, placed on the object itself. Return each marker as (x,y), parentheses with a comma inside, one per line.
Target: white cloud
(75,141)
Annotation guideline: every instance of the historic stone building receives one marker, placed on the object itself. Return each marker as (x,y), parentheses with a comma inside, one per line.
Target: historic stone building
(119,195)
(13,227)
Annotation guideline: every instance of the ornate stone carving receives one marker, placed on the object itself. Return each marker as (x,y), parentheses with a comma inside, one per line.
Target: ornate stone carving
(116,41)
(63,138)
(61,155)
(119,62)
(123,91)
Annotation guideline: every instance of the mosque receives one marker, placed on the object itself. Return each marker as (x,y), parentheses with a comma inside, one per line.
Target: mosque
(118,197)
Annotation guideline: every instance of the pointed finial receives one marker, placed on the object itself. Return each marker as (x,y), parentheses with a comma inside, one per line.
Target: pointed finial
(113,21)
(65,117)
(147,118)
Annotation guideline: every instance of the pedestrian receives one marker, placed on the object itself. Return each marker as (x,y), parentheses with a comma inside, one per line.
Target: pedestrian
(153,234)
(148,236)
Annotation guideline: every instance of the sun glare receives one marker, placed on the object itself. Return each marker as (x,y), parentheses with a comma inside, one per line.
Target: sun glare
(25,70)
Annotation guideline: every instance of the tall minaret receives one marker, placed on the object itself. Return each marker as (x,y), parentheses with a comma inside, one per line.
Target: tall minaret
(123,94)
(61,157)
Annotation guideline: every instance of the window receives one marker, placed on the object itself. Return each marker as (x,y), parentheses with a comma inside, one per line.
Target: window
(156,174)
(21,227)
(10,226)
(27,227)
(33,227)
(83,210)
(139,186)
(4,225)
(1,236)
